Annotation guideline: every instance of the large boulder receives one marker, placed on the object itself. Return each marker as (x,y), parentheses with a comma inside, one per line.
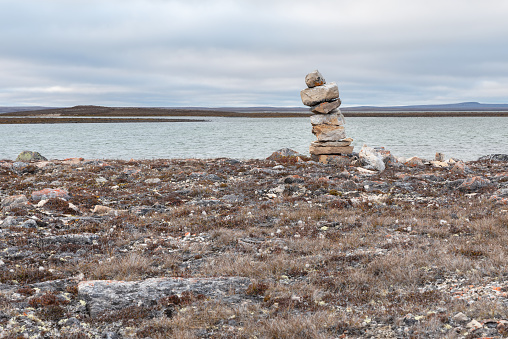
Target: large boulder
(27,156)
(104,296)
(314,79)
(326,107)
(329,132)
(319,94)
(333,118)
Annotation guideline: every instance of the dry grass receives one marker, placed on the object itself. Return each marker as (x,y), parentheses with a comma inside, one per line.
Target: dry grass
(323,262)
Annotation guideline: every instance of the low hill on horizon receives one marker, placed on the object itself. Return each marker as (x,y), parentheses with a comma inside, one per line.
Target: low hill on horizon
(93,110)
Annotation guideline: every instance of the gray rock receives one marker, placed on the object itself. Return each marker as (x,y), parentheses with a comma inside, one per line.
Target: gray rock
(502,192)
(314,79)
(105,295)
(283,153)
(27,156)
(460,318)
(233,198)
(9,221)
(495,157)
(78,239)
(30,223)
(14,200)
(319,94)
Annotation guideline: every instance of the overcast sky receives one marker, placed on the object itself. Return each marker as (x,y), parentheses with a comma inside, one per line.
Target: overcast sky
(251,52)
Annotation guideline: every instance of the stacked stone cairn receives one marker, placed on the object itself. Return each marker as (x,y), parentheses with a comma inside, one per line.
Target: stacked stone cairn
(327,120)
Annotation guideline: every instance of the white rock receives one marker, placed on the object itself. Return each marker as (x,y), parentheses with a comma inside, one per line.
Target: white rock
(319,94)
(473,324)
(373,160)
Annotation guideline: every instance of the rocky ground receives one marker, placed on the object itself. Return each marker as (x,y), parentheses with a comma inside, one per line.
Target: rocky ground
(276,248)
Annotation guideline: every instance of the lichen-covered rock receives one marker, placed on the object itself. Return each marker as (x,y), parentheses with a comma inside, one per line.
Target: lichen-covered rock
(27,156)
(105,295)
(49,193)
(314,79)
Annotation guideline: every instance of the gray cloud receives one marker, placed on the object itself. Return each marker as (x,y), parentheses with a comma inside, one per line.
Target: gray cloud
(228,53)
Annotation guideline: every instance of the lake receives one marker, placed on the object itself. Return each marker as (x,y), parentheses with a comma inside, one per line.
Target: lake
(465,138)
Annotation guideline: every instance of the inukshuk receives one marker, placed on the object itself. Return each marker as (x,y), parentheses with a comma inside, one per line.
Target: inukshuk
(327,120)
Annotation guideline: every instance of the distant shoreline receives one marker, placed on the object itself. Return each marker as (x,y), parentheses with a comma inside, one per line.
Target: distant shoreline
(100,114)
(57,120)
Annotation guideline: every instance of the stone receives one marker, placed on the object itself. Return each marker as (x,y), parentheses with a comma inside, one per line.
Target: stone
(326,107)
(332,159)
(319,94)
(78,239)
(49,193)
(101,210)
(414,162)
(460,317)
(314,79)
(329,132)
(439,157)
(283,153)
(14,201)
(371,159)
(339,143)
(474,325)
(459,168)
(27,156)
(233,198)
(474,183)
(441,164)
(331,150)
(495,157)
(104,296)
(333,118)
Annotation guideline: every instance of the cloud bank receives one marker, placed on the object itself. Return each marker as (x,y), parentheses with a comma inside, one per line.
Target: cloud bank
(251,53)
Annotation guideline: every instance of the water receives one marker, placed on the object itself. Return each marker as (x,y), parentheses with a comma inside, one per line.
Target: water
(465,138)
